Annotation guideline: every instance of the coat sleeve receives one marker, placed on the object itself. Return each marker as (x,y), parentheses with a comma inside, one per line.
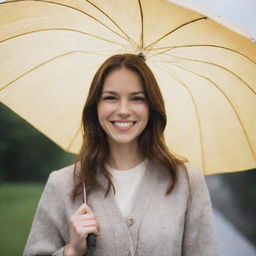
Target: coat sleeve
(199,237)
(45,235)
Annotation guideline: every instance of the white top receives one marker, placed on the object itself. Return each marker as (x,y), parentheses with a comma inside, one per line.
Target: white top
(126,183)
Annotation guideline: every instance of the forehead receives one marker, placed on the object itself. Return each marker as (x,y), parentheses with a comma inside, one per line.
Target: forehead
(123,80)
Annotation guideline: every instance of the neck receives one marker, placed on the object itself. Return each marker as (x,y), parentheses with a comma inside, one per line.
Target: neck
(123,156)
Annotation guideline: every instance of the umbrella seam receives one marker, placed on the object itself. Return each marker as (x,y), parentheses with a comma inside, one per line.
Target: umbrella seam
(83,13)
(129,38)
(40,65)
(199,45)
(46,1)
(232,106)
(196,113)
(149,47)
(60,29)
(217,65)
(142,25)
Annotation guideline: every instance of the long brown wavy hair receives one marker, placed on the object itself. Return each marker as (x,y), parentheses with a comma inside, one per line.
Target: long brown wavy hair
(95,150)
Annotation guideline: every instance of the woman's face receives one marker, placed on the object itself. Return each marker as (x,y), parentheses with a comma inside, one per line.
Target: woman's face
(122,108)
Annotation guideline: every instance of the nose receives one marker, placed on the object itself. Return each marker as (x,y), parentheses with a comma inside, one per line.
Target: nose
(124,108)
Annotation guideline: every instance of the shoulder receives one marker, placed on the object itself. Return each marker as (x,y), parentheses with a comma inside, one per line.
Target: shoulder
(196,182)
(193,171)
(62,178)
(192,174)
(63,173)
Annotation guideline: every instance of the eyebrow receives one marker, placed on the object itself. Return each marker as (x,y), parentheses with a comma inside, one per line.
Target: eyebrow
(115,93)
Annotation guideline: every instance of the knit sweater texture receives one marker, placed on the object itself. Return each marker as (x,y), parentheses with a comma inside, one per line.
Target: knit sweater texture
(177,224)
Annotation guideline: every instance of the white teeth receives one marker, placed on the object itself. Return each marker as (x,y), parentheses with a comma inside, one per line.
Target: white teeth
(123,124)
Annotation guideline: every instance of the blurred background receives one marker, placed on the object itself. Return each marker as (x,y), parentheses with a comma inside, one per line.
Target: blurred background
(27,157)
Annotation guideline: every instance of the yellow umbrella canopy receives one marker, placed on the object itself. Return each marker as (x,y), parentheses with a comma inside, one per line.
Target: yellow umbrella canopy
(50,51)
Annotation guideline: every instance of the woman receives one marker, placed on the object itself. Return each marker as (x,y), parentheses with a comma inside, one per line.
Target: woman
(142,200)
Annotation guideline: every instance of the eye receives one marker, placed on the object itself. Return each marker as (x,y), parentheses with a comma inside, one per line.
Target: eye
(110,98)
(138,98)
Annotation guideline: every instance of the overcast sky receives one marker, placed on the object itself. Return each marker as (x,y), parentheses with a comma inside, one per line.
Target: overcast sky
(241,12)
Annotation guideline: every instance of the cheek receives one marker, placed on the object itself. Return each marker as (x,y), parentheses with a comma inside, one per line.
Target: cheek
(143,112)
(104,110)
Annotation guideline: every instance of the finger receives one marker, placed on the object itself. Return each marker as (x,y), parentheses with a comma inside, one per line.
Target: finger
(84,208)
(87,216)
(84,231)
(79,226)
(87,223)
(91,223)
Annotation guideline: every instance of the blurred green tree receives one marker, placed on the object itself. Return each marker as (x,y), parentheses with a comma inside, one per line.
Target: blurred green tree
(25,153)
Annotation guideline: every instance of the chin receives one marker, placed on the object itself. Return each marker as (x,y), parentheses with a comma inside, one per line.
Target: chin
(123,141)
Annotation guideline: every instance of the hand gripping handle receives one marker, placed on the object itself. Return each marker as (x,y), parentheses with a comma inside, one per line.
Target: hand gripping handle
(91,238)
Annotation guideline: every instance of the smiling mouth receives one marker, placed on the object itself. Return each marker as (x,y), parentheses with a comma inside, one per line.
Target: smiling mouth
(123,124)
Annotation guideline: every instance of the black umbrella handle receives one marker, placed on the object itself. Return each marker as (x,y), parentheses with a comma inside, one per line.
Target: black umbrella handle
(91,240)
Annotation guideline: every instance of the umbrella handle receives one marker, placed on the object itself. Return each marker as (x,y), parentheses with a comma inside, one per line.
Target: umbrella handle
(91,238)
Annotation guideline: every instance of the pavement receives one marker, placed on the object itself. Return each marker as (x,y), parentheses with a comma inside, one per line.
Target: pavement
(230,241)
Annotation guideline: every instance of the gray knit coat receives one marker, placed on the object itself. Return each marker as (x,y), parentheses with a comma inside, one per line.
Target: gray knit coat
(178,224)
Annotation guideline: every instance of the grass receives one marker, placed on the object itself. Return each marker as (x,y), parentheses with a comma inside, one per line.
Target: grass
(18,204)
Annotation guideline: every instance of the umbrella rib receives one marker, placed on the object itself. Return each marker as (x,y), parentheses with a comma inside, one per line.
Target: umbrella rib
(68,6)
(104,13)
(217,65)
(142,25)
(44,63)
(196,111)
(149,47)
(166,49)
(64,29)
(230,102)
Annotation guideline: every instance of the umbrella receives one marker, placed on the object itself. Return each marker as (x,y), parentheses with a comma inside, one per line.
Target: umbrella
(206,69)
